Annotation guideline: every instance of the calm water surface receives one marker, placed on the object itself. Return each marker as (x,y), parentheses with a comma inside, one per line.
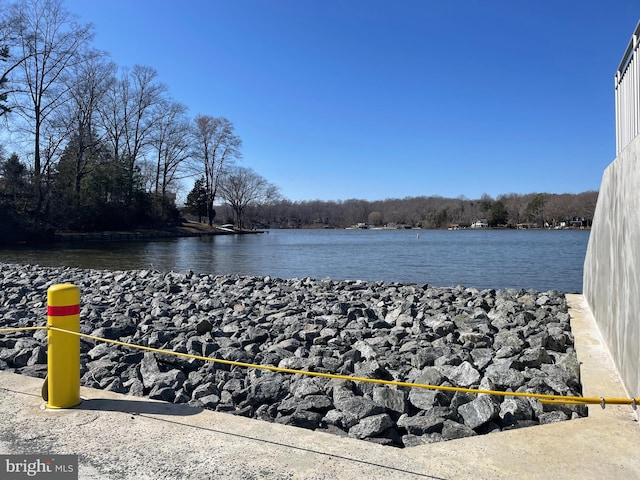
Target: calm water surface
(537,259)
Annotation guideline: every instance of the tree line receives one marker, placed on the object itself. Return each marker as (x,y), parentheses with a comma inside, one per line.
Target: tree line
(533,210)
(97,146)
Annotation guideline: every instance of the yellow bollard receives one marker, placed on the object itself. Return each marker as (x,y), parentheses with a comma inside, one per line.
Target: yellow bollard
(63,311)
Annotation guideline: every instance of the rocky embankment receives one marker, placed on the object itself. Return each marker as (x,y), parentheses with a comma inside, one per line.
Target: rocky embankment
(499,340)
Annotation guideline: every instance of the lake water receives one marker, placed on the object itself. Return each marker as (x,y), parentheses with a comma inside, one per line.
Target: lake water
(531,259)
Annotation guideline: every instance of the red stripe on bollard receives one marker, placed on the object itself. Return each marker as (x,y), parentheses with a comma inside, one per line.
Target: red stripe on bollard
(63,311)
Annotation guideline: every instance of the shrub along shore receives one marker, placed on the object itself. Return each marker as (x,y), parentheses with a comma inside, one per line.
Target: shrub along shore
(512,340)
(186,229)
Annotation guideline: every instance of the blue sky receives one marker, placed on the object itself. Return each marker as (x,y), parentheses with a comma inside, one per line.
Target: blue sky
(372,99)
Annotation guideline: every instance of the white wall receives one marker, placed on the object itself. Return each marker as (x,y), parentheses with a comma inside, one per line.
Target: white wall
(611,283)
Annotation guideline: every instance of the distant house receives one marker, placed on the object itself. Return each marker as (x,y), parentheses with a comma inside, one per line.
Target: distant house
(482,223)
(579,222)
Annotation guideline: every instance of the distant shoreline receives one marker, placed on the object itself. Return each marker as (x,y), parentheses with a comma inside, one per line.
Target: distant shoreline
(186,229)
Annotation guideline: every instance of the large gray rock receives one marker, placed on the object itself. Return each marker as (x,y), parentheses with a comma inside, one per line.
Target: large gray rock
(371,426)
(302,418)
(515,409)
(480,411)
(394,401)
(267,389)
(463,375)
(534,357)
(452,430)
(504,377)
(428,422)
(149,370)
(353,405)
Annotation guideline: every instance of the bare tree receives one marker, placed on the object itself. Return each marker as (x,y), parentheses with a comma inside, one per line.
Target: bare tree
(49,41)
(87,90)
(241,187)
(111,112)
(141,93)
(170,139)
(11,55)
(216,147)
(129,116)
(8,58)
(4,57)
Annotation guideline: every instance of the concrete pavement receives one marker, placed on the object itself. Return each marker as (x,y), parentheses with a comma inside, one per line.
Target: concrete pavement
(122,437)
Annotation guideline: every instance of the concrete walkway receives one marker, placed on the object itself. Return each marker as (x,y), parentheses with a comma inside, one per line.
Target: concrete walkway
(121,437)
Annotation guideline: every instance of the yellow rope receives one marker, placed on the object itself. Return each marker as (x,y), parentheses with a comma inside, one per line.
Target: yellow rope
(544,398)
(19,329)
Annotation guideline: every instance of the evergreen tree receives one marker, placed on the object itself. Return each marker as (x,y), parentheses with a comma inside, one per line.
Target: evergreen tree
(498,214)
(14,176)
(196,202)
(535,210)
(16,204)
